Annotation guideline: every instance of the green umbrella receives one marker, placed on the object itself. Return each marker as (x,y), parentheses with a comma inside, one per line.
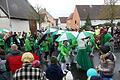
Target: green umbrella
(4,31)
(75,33)
(50,30)
(85,34)
(65,36)
(58,32)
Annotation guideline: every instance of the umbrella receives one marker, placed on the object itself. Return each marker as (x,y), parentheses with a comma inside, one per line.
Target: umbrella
(65,36)
(50,30)
(74,33)
(85,34)
(4,31)
(58,32)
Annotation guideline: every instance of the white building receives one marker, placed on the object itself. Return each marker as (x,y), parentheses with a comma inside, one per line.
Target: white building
(49,20)
(21,13)
(98,14)
(62,22)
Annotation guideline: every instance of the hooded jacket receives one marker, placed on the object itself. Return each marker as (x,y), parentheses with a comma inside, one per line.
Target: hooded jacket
(54,72)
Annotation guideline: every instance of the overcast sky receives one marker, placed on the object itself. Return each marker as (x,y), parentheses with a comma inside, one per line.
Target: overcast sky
(59,8)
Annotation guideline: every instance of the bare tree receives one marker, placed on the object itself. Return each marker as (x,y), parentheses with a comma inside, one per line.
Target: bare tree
(111,11)
(40,17)
(110,2)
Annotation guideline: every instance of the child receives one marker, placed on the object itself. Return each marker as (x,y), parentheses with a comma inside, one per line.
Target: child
(93,75)
(36,64)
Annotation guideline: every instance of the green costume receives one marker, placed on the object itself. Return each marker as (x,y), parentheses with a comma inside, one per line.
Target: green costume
(44,46)
(64,52)
(50,42)
(83,58)
(111,46)
(36,44)
(106,38)
(59,46)
(90,44)
(27,45)
(32,41)
(2,43)
(74,44)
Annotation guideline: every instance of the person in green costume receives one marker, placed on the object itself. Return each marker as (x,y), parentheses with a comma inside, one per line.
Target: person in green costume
(82,58)
(36,47)
(50,44)
(74,44)
(73,51)
(90,44)
(45,48)
(105,37)
(32,42)
(110,43)
(63,55)
(27,45)
(59,46)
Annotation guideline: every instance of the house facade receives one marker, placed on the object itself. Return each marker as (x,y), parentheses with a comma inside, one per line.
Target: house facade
(73,21)
(62,22)
(18,16)
(49,20)
(15,25)
(95,13)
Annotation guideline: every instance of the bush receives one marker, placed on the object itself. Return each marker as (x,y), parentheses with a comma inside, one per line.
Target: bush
(109,24)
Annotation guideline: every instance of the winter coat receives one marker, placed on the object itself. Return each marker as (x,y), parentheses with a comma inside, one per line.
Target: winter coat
(54,72)
(14,53)
(107,66)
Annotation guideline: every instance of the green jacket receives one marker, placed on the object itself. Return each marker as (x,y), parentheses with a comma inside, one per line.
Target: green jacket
(59,46)
(106,38)
(27,45)
(64,50)
(74,44)
(50,42)
(44,46)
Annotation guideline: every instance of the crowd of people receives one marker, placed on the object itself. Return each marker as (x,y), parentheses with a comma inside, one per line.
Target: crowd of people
(26,56)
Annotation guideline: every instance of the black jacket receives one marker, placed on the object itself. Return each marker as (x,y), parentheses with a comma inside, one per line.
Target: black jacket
(54,72)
